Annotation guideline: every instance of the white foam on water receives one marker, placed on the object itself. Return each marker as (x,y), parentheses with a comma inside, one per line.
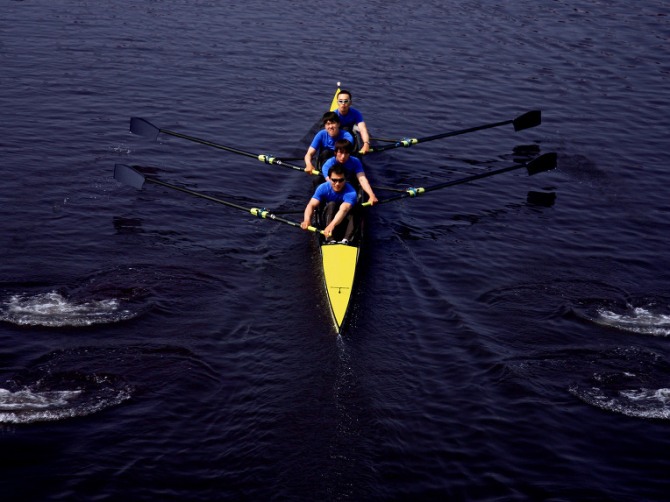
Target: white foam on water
(28,406)
(54,309)
(639,403)
(28,400)
(637,320)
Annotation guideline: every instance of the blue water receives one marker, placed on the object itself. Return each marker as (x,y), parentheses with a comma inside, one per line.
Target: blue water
(508,338)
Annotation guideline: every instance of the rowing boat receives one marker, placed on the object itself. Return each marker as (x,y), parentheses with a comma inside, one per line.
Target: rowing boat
(339,263)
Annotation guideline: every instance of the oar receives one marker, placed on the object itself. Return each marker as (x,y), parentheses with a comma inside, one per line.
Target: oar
(525,121)
(134,178)
(385,140)
(537,165)
(145,128)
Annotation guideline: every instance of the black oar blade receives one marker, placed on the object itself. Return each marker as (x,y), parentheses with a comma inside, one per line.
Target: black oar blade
(129,176)
(144,128)
(542,163)
(527,120)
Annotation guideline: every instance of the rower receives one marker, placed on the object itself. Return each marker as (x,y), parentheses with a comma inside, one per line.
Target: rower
(354,167)
(324,140)
(337,197)
(351,119)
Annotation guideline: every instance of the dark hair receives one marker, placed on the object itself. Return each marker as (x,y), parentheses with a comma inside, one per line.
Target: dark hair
(345,145)
(344,91)
(337,168)
(330,117)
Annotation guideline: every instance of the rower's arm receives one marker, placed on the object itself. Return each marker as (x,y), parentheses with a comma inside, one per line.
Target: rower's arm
(309,211)
(365,185)
(365,136)
(309,167)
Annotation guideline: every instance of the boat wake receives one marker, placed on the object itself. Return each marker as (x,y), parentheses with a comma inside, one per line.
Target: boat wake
(63,384)
(81,381)
(631,381)
(80,395)
(54,309)
(105,297)
(643,315)
(640,403)
(588,301)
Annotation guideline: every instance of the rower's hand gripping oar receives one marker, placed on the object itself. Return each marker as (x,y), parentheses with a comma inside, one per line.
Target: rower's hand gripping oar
(134,178)
(143,127)
(539,164)
(525,121)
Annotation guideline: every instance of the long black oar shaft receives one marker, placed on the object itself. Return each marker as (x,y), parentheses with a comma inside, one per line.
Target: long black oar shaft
(525,121)
(143,127)
(537,165)
(134,178)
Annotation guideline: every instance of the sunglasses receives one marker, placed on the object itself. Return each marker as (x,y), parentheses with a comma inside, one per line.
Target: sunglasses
(343,101)
(337,180)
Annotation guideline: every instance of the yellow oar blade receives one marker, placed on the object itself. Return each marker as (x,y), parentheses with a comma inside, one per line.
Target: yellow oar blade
(333,103)
(339,270)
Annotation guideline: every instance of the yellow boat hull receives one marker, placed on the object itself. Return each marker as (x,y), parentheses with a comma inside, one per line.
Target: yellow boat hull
(339,271)
(339,263)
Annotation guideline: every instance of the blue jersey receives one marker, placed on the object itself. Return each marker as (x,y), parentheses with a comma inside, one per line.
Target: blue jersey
(324,194)
(352,118)
(353,166)
(323,141)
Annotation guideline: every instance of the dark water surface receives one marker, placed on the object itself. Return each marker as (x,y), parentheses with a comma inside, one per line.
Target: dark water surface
(509,338)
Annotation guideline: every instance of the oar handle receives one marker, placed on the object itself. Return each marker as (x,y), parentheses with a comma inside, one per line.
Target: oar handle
(264,213)
(409,192)
(269,159)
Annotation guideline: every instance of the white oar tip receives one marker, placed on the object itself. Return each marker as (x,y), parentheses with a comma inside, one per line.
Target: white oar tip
(339,84)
